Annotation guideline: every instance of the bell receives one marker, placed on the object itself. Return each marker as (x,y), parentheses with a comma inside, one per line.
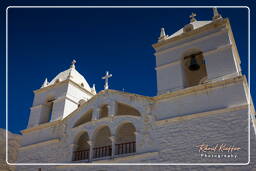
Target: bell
(193,64)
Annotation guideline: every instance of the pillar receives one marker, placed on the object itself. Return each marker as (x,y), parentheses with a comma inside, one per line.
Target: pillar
(91,150)
(112,138)
(96,113)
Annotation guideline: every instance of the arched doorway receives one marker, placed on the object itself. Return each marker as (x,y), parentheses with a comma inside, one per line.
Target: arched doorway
(102,143)
(125,139)
(82,148)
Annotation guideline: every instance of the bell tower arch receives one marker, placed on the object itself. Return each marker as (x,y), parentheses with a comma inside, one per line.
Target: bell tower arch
(193,68)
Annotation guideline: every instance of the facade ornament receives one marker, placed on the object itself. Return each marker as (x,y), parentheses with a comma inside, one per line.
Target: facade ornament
(106,77)
(162,36)
(45,83)
(216,14)
(192,17)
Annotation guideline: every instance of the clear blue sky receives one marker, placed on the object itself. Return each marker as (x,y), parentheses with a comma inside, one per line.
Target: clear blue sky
(43,42)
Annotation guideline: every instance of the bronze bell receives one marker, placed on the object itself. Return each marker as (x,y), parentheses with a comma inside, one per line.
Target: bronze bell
(193,63)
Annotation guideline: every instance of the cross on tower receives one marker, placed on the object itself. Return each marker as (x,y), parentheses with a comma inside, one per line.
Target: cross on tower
(192,17)
(73,64)
(106,77)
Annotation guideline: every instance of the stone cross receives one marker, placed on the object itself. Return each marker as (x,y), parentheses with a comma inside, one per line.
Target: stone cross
(192,17)
(106,77)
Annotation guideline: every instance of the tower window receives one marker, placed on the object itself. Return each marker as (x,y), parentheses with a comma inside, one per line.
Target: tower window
(47,111)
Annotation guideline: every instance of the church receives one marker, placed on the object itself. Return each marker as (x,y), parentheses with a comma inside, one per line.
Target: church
(202,112)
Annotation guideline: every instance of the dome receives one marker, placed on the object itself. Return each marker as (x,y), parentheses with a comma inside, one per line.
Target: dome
(70,74)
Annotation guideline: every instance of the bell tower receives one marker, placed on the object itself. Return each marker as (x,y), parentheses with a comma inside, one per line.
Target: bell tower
(198,53)
(58,98)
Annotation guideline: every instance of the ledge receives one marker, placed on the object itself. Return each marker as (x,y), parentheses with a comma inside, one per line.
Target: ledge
(44,125)
(114,160)
(198,115)
(42,143)
(200,88)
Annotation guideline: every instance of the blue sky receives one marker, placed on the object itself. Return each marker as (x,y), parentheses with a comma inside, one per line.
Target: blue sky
(43,42)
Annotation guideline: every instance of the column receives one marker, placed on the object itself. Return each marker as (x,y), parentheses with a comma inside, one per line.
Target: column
(96,113)
(72,150)
(91,150)
(112,109)
(112,138)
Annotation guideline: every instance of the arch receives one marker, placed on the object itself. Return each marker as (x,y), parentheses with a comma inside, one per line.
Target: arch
(81,149)
(103,111)
(47,110)
(193,75)
(102,143)
(125,139)
(124,109)
(87,117)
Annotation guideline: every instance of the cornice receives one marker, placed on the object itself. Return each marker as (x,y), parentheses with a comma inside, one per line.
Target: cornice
(41,126)
(62,83)
(199,88)
(199,115)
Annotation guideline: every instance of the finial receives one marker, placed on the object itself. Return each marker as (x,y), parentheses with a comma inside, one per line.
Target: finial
(162,36)
(216,14)
(73,64)
(192,17)
(93,89)
(106,77)
(45,83)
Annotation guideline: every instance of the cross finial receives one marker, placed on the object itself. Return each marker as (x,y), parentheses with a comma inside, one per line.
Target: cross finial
(216,14)
(73,64)
(192,17)
(106,77)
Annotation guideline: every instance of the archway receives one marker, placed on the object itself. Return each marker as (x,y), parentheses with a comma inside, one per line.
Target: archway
(123,109)
(87,117)
(125,139)
(103,111)
(82,148)
(102,143)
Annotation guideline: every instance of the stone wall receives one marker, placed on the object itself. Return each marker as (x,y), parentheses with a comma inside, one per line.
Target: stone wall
(12,149)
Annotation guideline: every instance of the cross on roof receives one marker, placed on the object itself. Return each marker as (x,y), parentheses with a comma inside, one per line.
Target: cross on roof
(73,64)
(106,77)
(192,17)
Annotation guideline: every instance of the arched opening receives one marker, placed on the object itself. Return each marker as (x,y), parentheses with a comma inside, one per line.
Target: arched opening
(81,148)
(87,117)
(102,143)
(47,111)
(103,111)
(125,139)
(194,69)
(123,109)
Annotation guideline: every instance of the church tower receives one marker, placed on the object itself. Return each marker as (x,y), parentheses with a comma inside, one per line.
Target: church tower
(58,98)
(200,52)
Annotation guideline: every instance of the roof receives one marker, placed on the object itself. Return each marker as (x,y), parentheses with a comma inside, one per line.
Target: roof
(196,25)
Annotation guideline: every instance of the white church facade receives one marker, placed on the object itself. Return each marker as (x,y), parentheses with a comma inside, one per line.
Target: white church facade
(202,103)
